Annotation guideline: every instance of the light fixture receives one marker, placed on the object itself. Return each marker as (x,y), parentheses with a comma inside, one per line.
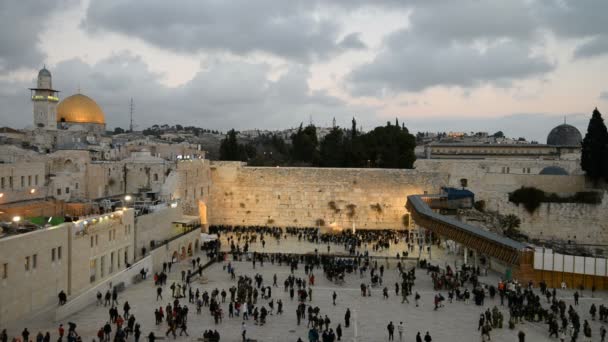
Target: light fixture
(1,194)
(16,219)
(128,198)
(50,218)
(174,205)
(85,222)
(32,191)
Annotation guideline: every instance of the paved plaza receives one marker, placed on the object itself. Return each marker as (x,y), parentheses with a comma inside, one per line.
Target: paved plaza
(370,315)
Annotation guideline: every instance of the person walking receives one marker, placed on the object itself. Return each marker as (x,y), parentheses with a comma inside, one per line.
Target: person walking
(391,330)
(418,337)
(339,332)
(183,328)
(159,293)
(347,318)
(400,329)
(244,331)
(427,337)
(334,296)
(25,334)
(521,336)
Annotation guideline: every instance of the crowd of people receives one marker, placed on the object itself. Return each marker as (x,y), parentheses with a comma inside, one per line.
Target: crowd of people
(252,298)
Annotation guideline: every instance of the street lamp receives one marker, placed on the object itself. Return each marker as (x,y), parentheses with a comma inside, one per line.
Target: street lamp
(16,219)
(128,198)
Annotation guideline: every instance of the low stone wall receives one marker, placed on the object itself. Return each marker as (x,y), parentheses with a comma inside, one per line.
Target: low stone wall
(177,247)
(88,297)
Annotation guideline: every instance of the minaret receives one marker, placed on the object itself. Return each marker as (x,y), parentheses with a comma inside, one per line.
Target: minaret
(45,100)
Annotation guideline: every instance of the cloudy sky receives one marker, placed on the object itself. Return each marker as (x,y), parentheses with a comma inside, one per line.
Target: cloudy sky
(438,65)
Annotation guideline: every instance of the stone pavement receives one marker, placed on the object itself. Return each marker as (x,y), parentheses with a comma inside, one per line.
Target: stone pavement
(370,315)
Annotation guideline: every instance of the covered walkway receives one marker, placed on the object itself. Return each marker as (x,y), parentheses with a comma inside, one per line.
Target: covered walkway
(515,254)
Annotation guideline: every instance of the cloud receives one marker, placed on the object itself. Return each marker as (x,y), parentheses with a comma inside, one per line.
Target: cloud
(353,41)
(595,47)
(21,23)
(466,20)
(577,19)
(409,63)
(282,28)
(573,18)
(222,95)
(463,44)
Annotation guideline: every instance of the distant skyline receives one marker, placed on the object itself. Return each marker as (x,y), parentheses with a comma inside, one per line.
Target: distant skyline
(518,66)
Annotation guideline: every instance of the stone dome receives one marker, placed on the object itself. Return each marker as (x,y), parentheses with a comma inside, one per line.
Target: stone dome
(554,170)
(44,72)
(564,135)
(80,108)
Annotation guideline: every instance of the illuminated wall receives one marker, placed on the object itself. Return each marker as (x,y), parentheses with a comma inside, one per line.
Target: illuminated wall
(367,198)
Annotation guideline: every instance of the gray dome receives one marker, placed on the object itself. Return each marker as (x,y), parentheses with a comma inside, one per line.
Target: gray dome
(44,72)
(564,135)
(554,170)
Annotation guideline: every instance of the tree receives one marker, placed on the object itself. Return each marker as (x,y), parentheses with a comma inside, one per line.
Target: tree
(118,130)
(229,147)
(390,147)
(510,226)
(594,158)
(498,134)
(304,143)
(332,148)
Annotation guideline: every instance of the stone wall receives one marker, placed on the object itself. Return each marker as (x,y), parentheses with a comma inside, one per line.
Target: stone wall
(272,196)
(33,269)
(193,184)
(583,223)
(157,227)
(580,223)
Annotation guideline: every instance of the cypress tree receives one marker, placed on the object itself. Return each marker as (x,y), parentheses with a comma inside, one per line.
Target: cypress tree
(594,156)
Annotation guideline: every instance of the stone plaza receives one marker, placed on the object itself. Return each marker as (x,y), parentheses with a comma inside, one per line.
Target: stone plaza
(370,314)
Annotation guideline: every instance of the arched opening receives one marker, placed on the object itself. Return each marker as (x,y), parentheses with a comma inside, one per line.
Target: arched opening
(183,256)
(190,249)
(202,212)
(196,245)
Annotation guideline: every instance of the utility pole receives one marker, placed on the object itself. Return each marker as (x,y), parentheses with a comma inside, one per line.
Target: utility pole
(131,116)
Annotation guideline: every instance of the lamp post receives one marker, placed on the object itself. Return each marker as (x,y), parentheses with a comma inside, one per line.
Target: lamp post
(128,199)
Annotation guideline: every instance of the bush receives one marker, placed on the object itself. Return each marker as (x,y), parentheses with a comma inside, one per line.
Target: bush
(376,207)
(350,210)
(480,205)
(405,219)
(333,206)
(532,197)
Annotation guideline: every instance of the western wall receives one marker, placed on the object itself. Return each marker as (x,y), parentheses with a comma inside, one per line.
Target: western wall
(306,197)
(375,198)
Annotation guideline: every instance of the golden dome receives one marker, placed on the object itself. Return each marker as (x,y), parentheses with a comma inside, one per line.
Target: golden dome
(80,108)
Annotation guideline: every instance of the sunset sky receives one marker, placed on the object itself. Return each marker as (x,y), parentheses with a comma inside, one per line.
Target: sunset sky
(520,66)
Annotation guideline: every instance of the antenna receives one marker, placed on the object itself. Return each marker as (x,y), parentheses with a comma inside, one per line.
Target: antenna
(310,119)
(333,124)
(131,116)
